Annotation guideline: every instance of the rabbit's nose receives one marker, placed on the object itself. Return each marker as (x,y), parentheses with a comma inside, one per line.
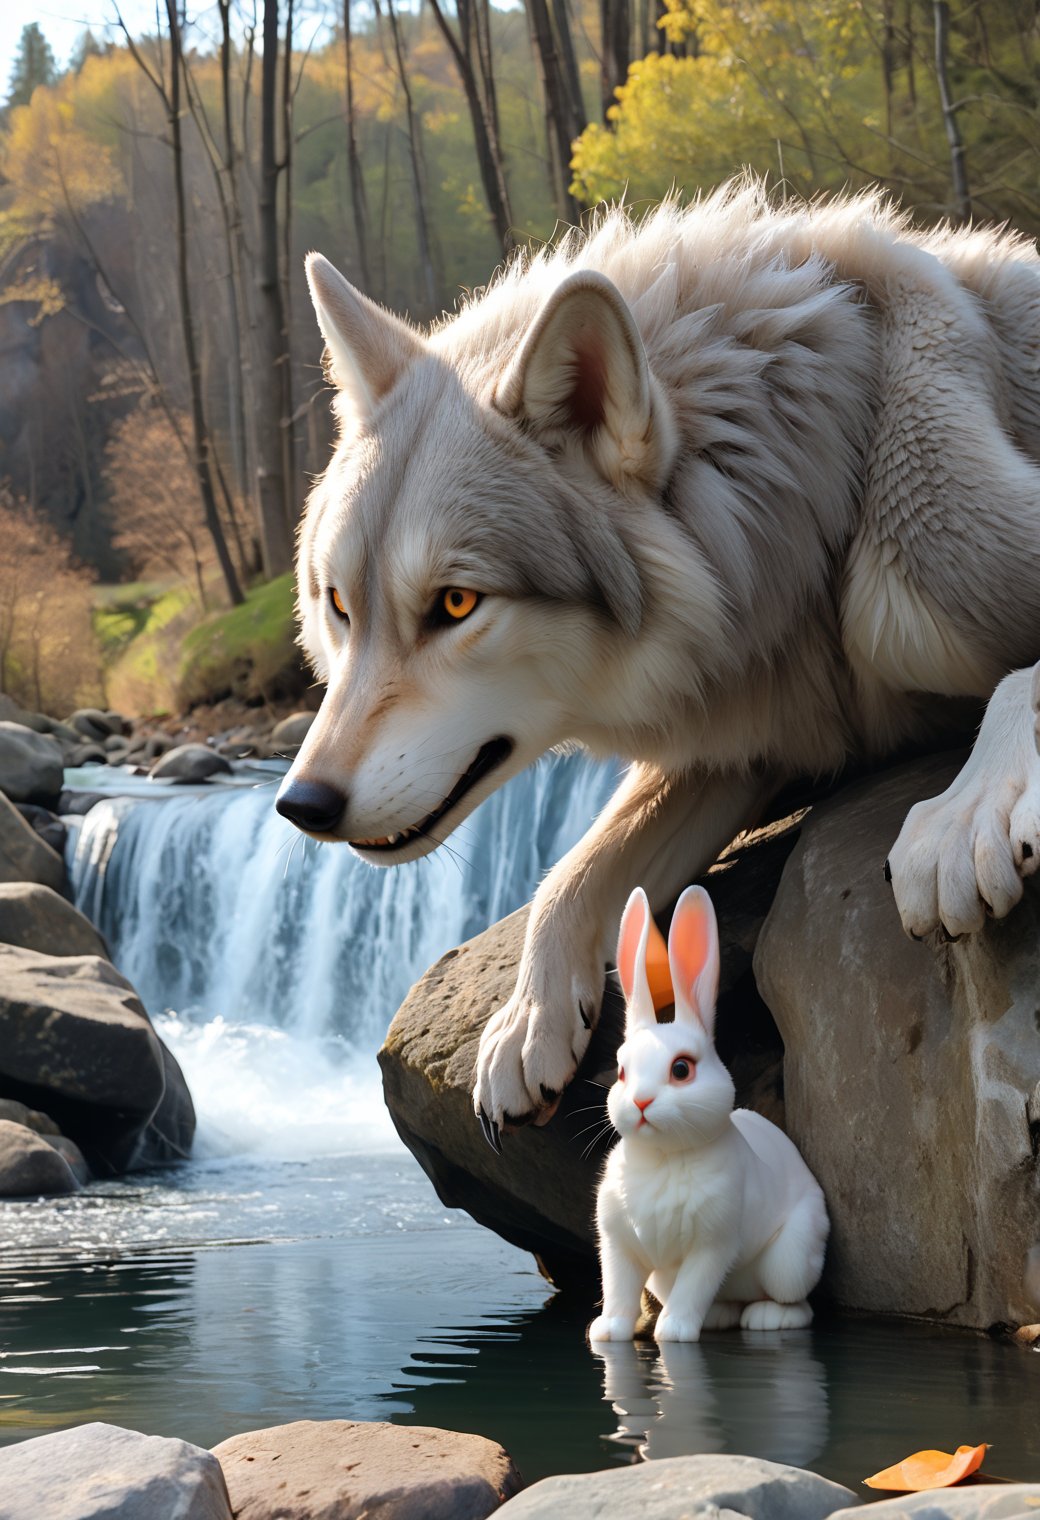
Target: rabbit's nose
(642,1104)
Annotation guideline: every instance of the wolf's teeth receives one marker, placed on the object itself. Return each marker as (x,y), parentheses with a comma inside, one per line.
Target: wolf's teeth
(392,838)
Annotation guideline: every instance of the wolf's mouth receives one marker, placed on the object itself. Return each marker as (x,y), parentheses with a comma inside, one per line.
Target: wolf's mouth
(488,757)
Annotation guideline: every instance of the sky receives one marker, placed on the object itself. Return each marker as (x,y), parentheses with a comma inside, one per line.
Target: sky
(62,23)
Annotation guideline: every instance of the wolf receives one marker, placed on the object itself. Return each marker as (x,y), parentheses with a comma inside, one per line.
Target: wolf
(738,492)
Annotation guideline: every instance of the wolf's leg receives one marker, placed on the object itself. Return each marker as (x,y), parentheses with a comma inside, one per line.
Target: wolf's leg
(657,831)
(964,853)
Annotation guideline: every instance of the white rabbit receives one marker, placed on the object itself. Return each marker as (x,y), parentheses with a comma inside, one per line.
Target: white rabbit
(714,1210)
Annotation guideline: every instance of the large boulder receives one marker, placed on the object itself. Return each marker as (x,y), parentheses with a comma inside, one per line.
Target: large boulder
(190,762)
(539,1194)
(31,764)
(346,1470)
(102,1472)
(685,1488)
(23,854)
(911,1070)
(76,1043)
(33,1165)
(36,918)
(973,1501)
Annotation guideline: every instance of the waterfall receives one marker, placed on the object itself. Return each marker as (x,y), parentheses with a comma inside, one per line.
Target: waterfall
(272,964)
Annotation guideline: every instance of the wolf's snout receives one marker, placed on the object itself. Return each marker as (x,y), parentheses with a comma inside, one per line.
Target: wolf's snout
(310,805)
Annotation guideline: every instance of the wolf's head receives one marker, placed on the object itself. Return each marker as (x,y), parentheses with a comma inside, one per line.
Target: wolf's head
(466,563)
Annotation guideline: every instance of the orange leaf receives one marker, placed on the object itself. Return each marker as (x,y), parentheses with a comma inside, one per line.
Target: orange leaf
(929,1469)
(657,972)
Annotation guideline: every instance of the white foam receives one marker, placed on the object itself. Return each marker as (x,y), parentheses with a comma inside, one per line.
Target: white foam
(269,1093)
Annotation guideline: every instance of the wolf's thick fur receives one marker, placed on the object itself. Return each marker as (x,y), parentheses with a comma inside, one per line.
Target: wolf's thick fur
(744,487)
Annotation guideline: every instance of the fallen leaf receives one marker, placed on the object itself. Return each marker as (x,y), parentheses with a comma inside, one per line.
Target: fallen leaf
(929,1469)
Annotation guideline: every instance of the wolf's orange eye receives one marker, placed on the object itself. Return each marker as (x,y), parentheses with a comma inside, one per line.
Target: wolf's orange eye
(458,604)
(337,602)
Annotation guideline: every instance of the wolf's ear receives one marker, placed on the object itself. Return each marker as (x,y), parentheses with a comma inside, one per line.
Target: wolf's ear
(693,954)
(368,347)
(581,368)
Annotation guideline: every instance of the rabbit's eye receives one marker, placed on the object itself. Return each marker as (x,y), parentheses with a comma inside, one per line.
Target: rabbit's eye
(683,1069)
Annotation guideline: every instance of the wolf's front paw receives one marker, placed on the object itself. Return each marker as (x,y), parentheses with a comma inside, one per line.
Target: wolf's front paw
(677,1327)
(530,1049)
(606,1327)
(962,855)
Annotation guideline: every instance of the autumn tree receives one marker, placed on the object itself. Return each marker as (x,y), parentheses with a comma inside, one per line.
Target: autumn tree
(153,503)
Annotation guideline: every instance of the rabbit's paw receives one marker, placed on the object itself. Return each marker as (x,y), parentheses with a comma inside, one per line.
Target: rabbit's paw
(767,1315)
(606,1327)
(677,1327)
(962,856)
(722,1315)
(530,1049)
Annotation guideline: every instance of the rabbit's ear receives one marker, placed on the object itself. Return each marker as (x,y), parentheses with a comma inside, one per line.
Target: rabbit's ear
(631,960)
(693,954)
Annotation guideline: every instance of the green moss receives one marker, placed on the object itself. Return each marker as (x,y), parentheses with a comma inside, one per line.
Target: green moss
(248,652)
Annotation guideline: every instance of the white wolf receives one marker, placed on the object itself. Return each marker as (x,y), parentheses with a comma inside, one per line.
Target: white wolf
(736,493)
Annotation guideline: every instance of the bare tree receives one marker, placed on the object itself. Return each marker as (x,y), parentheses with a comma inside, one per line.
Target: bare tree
(358,200)
(422,218)
(558,106)
(271,328)
(482,117)
(958,164)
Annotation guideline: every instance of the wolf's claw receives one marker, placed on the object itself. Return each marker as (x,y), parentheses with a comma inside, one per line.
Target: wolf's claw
(490,1131)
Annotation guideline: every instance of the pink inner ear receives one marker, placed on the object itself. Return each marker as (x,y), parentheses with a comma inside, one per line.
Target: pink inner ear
(628,942)
(585,404)
(691,939)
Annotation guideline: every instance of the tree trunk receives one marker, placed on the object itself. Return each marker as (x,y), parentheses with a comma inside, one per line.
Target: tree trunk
(556,105)
(415,157)
(358,200)
(958,165)
(492,171)
(200,431)
(286,165)
(577,120)
(275,542)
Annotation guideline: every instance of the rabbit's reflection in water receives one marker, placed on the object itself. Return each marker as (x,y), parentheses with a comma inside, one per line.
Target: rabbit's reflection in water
(761,1393)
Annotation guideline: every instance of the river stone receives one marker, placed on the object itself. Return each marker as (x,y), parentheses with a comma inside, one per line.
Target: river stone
(685,1488)
(76,1042)
(31,1118)
(189,762)
(31,764)
(970,1501)
(32,1165)
(102,1472)
(289,734)
(23,854)
(36,918)
(47,825)
(911,1070)
(540,1193)
(94,724)
(347,1470)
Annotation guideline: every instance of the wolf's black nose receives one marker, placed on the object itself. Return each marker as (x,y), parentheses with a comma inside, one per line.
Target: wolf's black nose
(311,805)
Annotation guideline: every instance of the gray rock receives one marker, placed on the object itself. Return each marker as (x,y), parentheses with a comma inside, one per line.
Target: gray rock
(348,1470)
(46,824)
(36,918)
(1013,1501)
(32,1166)
(289,734)
(190,762)
(74,803)
(23,854)
(540,1194)
(909,1070)
(73,1157)
(115,744)
(43,724)
(31,764)
(94,724)
(101,1472)
(685,1488)
(75,1041)
(90,753)
(31,1118)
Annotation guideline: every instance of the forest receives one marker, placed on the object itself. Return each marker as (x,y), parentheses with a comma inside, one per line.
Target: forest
(162,404)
